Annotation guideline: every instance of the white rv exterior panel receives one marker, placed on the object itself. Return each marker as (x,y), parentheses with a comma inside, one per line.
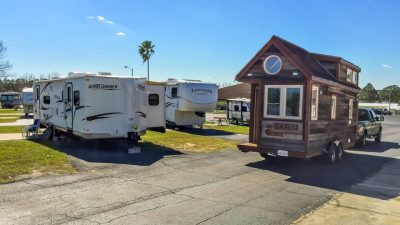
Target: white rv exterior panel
(93,107)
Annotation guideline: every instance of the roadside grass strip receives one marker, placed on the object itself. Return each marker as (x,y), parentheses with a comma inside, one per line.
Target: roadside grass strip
(8,119)
(23,157)
(187,142)
(11,129)
(229,128)
(9,111)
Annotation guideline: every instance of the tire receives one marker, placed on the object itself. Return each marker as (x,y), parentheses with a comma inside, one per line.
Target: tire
(378,138)
(331,155)
(235,121)
(339,152)
(363,140)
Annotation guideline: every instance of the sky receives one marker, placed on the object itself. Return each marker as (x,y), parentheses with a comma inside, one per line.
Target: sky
(209,40)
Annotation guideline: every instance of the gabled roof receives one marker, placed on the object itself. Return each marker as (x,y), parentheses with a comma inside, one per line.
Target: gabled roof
(304,60)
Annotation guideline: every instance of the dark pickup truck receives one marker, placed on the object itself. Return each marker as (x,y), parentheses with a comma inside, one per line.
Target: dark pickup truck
(369,126)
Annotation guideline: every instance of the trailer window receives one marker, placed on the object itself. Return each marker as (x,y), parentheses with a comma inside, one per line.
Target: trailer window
(314,103)
(350,109)
(46,99)
(154,99)
(283,101)
(333,107)
(77,98)
(244,108)
(174,92)
(37,93)
(236,108)
(69,94)
(273,101)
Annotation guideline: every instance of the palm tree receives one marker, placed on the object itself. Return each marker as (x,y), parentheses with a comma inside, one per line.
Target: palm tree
(146,49)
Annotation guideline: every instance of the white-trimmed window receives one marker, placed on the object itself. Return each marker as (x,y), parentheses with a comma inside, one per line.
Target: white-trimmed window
(349,75)
(283,101)
(354,78)
(314,102)
(333,107)
(350,109)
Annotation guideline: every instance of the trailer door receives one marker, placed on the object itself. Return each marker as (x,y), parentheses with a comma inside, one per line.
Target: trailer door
(68,106)
(155,106)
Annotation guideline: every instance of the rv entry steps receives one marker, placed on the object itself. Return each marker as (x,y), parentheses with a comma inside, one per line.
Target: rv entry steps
(248,147)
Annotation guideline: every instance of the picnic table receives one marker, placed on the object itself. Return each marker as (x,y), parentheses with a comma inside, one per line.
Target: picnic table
(220,120)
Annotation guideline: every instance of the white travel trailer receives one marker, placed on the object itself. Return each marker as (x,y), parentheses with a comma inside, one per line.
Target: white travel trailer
(187,101)
(238,110)
(98,106)
(27,100)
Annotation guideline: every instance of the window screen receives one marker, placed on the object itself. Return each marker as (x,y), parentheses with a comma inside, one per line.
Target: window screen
(244,108)
(46,99)
(273,101)
(236,108)
(154,99)
(174,92)
(292,102)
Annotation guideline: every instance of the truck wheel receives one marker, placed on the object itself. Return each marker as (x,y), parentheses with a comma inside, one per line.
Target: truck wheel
(339,152)
(331,155)
(235,121)
(379,136)
(363,140)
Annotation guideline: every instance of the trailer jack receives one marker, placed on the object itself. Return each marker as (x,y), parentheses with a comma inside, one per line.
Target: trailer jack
(134,148)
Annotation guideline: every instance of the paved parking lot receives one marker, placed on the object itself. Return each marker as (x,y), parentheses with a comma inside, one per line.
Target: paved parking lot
(163,186)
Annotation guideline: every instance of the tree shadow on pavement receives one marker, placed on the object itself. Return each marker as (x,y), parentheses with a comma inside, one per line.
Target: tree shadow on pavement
(115,151)
(205,131)
(340,176)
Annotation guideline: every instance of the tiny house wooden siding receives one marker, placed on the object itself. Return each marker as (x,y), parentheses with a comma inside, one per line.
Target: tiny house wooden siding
(302,135)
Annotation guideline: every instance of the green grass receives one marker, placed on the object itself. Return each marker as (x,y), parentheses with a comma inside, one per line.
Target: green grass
(9,111)
(8,119)
(187,142)
(22,157)
(217,111)
(230,128)
(10,129)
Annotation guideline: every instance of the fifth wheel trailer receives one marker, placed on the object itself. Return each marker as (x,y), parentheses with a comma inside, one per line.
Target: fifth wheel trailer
(95,106)
(187,101)
(27,101)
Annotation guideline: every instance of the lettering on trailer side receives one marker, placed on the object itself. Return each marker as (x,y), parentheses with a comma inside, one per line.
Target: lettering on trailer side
(103,86)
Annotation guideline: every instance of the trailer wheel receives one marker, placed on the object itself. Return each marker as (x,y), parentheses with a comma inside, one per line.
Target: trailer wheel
(235,121)
(331,155)
(339,152)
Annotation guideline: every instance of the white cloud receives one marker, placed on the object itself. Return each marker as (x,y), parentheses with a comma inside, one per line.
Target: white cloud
(386,66)
(101,19)
(120,34)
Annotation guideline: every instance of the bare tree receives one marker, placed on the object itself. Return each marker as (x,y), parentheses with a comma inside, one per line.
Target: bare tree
(4,65)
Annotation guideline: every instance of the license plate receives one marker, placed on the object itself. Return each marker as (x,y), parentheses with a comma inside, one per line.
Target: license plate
(283,153)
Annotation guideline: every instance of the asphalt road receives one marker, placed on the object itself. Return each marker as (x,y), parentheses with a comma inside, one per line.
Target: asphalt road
(162,186)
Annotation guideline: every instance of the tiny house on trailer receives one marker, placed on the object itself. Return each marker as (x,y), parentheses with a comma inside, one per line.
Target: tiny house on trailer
(303,104)
(187,101)
(100,106)
(238,110)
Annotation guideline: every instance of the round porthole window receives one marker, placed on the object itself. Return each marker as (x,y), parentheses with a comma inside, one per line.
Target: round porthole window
(272,64)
